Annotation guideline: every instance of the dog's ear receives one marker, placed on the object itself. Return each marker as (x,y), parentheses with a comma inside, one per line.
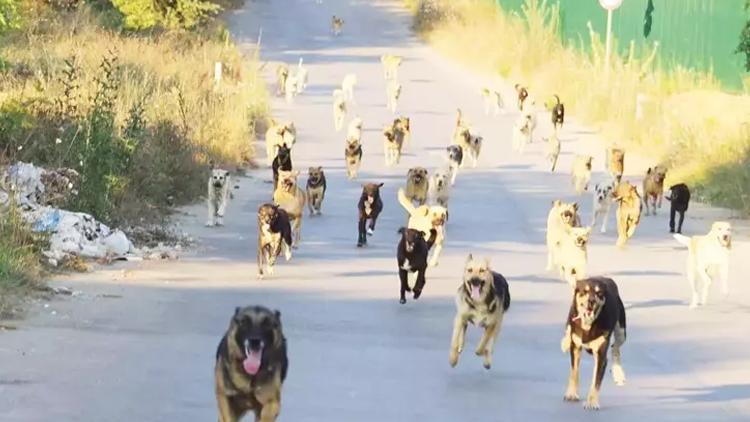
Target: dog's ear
(648,172)
(311,169)
(575,206)
(401,230)
(277,314)
(469,258)
(211,164)
(380,185)
(320,168)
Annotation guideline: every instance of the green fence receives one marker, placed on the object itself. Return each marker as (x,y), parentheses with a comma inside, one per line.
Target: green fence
(699,34)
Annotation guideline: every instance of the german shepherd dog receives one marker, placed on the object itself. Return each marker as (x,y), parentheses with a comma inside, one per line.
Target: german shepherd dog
(522,94)
(316,189)
(353,157)
(653,188)
(251,365)
(370,205)
(274,234)
(558,114)
(482,299)
(412,258)
(595,314)
(283,161)
(679,198)
(615,163)
(628,211)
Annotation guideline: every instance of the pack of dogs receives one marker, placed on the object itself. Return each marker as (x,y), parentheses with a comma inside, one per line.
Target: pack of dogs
(251,359)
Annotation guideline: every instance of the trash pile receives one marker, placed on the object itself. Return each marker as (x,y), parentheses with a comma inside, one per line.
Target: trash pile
(38,192)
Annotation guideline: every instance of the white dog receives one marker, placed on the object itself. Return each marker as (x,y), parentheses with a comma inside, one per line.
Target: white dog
(301,76)
(393,93)
(218,196)
(424,218)
(440,186)
(339,109)
(347,86)
(708,256)
(493,101)
(354,131)
(291,88)
(604,194)
(522,131)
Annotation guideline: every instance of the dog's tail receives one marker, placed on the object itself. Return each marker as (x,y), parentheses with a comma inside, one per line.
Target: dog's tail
(299,65)
(557,99)
(405,202)
(682,239)
(554,161)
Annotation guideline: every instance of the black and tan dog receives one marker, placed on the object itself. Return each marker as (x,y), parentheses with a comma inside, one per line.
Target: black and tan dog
(283,161)
(679,198)
(316,189)
(558,114)
(595,315)
(353,157)
(412,258)
(370,205)
(417,185)
(251,365)
(274,234)
(482,299)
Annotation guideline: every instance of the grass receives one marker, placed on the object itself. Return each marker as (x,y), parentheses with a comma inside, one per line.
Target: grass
(684,108)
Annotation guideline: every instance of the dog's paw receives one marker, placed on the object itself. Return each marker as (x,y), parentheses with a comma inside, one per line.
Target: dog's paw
(453,359)
(370,231)
(603,230)
(592,403)
(565,344)
(417,293)
(209,223)
(487,365)
(408,289)
(618,375)
(402,301)
(571,396)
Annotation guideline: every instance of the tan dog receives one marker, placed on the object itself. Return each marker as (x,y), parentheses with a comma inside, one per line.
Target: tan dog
(553,150)
(316,189)
(347,86)
(493,101)
(282,73)
(417,185)
(279,134)
(708,257)
(353,157)
(354,131)
(581,174)
(653,188)
(628,211)
(337,25)
(339,109)
(571,254)
(393,93)
(402,130)
(440,186)
(289,197)
(561,219)
(391,64)
(424,218)
(615,163)
(522,133)
(391,147)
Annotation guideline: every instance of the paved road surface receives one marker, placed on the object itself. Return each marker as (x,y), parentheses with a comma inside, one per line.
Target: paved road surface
(138,343)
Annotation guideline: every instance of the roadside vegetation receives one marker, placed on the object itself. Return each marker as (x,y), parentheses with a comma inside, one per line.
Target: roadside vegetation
(125,94)
(688,123)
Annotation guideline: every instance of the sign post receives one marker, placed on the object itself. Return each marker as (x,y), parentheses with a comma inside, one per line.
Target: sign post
(609,6)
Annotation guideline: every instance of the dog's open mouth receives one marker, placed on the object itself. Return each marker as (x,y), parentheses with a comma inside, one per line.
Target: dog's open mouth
(476,289)
(726,239)
(253,356)
(580,242)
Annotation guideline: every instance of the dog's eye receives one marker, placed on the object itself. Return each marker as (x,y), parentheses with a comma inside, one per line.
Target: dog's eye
(470,270)
(481,271)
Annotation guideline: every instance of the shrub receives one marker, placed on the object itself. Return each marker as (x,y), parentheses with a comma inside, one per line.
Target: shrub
(171,14)
(20,251)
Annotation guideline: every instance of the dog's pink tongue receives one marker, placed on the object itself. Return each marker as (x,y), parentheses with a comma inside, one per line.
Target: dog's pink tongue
(475,292)
(251,364)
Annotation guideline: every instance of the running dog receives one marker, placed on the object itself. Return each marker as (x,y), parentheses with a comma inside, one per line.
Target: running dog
(411,256)
(653,188)
(553,150)
(604,192)
(292,199)
(558,114)
(353,157)
(615,163)
(440,186)
(708,258)
(218,197)
(279,134)
(581,174)
(679,198)
(391,64)
(274,234)
(316,189)
(425,218)
(292,88)
(522,133)
(417,185)
(282,74)
(339,109)
(393,93)
(402,130)
(283,161)
(455,160)
(471,145)
(391,147)
(251,365)
(561,219)
(571,254)
(628,211)
(354,131)
(347,86)
(493,101)
(301,77)
(482,299)
(522,94)
(337,25)
(370,205)
(596,313)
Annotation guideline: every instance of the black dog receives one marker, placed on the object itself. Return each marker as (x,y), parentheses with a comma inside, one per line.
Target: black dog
(412,258)
(370,205)
(283,161)
(679,196)
(558,114)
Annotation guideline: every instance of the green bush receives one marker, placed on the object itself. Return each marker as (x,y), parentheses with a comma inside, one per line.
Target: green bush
(744,46)
(8,15)
(170,14)
(20,252)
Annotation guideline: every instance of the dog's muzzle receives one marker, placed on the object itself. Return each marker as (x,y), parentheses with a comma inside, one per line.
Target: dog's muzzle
(581,242)
(218,184)
(409,246)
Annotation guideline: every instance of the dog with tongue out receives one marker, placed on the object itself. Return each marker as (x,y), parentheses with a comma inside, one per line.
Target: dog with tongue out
(251,365)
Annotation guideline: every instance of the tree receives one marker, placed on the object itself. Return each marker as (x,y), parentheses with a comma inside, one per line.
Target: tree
(744,46)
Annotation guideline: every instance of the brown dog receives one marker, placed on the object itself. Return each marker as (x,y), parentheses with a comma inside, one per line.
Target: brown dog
(653,188)
(628,211)
(615,163)
(417,185)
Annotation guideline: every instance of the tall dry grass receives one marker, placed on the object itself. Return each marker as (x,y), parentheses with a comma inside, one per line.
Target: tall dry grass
(687,122)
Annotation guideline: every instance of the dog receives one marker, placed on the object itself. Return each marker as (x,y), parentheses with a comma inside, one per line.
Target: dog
(251,365)
(391,64)
(370,206)
(283,161)
(461,127)
(482,299)
(274,234)
(402,130)
(354,130)
(581,174)
(558,114)
(679,198)
(291,198)
(653,188)
(391,147)
(301,77)
(493,101)
(522,94)
(282,74)
(471,144)
(393,93)
(347,86)
(411,256)
(218,197)
(339,109)
(604,193)
(353,157)
(425,218)
(553,150)
(455,155)
(596,313)
(316,189)
(708,258)
(440,186)
(561,218)
(292,88)
(279,134)
(522,133)
(628,211)
(417,185)
(337,25)
(571,254)
(615,163)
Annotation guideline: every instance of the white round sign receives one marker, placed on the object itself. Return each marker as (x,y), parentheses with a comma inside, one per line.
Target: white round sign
(610,4)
